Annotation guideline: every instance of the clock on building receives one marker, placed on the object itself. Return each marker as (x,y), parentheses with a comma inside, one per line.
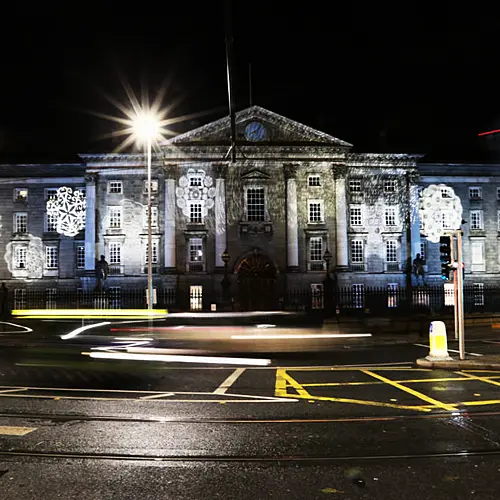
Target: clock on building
(255,131)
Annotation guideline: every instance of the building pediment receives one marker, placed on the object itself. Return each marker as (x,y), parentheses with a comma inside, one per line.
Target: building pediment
(256,125)
(255,174)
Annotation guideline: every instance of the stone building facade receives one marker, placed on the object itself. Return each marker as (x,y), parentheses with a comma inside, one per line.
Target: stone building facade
(292,194)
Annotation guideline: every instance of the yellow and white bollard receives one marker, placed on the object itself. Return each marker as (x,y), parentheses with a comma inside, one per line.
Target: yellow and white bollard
(438,342)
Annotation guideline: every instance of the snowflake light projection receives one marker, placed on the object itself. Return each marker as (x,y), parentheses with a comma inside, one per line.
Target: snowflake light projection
(196,186)
(68,208)
(440,211)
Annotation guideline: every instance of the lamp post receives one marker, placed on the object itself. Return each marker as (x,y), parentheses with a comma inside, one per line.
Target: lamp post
(327,257)
(146,128)
(225,281)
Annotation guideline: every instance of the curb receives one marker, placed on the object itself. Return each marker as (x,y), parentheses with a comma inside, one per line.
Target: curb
(457,364)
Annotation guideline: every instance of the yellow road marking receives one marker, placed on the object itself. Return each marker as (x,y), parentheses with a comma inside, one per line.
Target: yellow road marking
(481,379)
(478,403)
(333,384)
(417,394)
(6,430)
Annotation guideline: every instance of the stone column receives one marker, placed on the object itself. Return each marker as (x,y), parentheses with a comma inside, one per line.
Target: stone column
(169,228)
(292,226)
(414,221)
(220,214)
(90,222)
(341,221)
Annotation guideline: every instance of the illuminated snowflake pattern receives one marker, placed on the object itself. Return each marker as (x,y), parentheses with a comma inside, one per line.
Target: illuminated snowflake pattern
(204,193)
(68,208)
(436,208)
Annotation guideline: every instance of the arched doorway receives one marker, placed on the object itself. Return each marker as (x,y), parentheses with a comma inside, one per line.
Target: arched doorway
(256,283)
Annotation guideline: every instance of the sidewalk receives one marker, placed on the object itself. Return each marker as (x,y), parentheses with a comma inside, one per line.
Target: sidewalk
(483,363)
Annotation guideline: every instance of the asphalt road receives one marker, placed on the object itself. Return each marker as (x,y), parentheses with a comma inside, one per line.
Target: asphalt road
(356,420)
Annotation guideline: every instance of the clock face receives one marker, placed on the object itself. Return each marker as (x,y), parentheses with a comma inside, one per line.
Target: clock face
(255,131)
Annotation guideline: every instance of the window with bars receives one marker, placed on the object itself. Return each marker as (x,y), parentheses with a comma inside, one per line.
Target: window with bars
(390,185)
(21,194)
(51,298)
(115,297)
(446,219)
(315,211)
(195,255)
(355,216)
(317,296)
(115,187)
(475,193)
(255,204)
(115,217)
(80,257)
(195,181)
(154,186)
(358,295)
(392,295)
(195,216)
(50,223)
(390,216)
(476,219)
(154,252)
(423,250)
(20,222)
(314,180)
(196,297)
(51,257)
(20,254)
(478,290)
(355,185)
(357,252)
(477,252)
(50,194)
(154,216)
(391,251)
(115,252)
(316,253)
(20,298)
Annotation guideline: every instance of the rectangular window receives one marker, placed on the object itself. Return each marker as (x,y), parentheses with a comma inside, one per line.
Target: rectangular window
(355,216)
(392,295)
(476,219)
(196,298)
(50,194)
(154,216)
(446,219)
(50,298)
(423,250)
(478,289)
(115,297)
(195,216)
(50,223)
(449,294)
(317,296)
(51,260)
(154,186)
(195,181)
(315,211)
(390,216)
(21,194)
(314,180)
(115,217)
(195,256)
(475,193)
(115,252)
(20,254)
(154,252)
(255,204)
(115,187)
(20,222)
(316,253)
(357,251)
(389,185)
(358,296)
(477,252)
(80,257)
(20,299)
(355,185)
(445,192)
(391,251)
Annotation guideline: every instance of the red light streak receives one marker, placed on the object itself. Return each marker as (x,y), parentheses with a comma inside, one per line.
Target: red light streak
(490,132)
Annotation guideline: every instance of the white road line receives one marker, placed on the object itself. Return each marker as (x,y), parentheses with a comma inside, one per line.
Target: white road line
(229,381)
(6,430)
(77,331)
(24,328)
(490,342)
(452,350)
(13,390)
(157,396)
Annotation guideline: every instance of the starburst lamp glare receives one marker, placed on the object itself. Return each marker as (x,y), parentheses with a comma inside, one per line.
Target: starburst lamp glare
(146,126)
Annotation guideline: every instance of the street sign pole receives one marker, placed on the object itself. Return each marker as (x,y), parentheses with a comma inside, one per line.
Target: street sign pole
(460,293)
(455,286)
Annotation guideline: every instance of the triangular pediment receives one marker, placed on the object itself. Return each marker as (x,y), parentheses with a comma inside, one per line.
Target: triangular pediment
(255,174)
(257,125)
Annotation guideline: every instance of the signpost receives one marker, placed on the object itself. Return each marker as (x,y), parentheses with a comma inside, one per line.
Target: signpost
(441,217)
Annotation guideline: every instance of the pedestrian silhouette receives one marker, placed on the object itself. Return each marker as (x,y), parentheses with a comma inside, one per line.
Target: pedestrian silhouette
(101,272)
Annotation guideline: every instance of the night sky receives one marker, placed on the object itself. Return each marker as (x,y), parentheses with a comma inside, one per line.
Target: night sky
(419,78)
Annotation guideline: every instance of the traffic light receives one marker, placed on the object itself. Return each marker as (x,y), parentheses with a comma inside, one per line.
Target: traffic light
(445,257)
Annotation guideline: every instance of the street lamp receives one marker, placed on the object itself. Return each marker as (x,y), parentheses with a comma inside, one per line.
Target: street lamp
(146,127)
(327,257)
(225,282)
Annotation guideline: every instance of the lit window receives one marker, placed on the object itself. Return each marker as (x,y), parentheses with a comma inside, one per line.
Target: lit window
(476,219)
(80,257)
(195,255)
(154,216)
(390,216)
(115,187)
(51,260)
(115,217)
(355,185)
(316,253)
(357,251)
(50,194)
(477,252)
(50,223)
(255,204)
(115,252)
(20,254)
(475,193)
(195,216)
(195,181)
(392,295)
(317,296)
(21,194)
(154,252)
(389,185)
(314,180)
(196,298)
(358,295)
(154,186)
(20,222)
(315,211)
(478,289)
(391,254)
(355,216)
